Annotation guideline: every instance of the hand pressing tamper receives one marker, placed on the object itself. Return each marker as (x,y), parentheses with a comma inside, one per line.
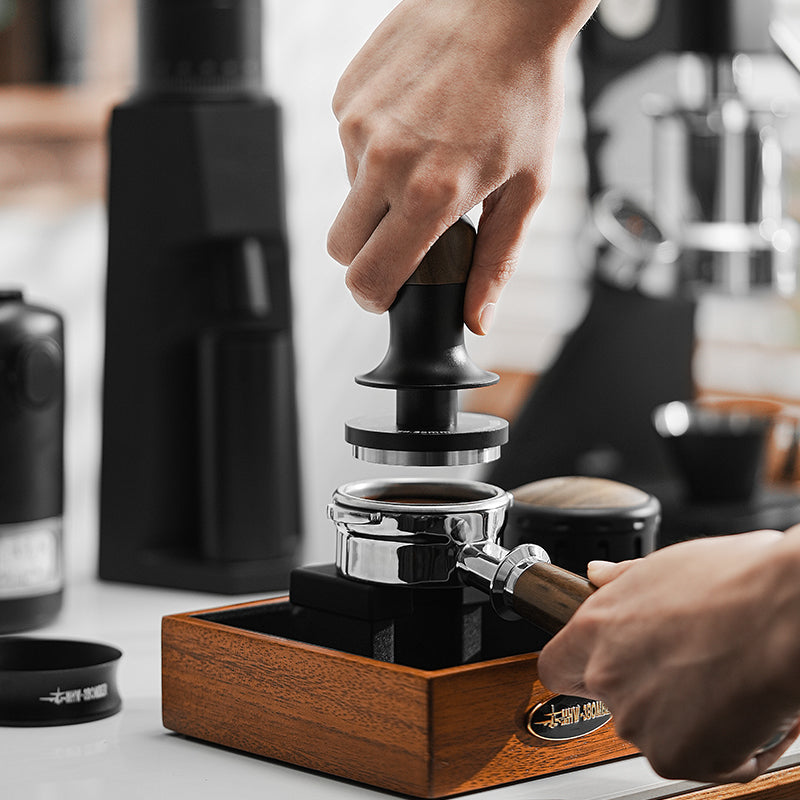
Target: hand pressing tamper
(424,533)
(427,364)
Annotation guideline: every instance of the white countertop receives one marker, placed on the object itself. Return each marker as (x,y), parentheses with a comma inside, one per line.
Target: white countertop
(130,756)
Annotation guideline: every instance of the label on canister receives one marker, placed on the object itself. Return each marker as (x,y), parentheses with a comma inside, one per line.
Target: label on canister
(30,558)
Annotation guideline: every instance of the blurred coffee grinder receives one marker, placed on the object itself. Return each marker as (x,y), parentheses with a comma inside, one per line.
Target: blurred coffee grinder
(717,224)
(200,474)
(32,467)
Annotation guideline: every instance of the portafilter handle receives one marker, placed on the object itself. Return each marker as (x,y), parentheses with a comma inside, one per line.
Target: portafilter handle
(523,583)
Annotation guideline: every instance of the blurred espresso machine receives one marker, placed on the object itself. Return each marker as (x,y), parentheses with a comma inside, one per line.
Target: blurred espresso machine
(714,221)
(200,473)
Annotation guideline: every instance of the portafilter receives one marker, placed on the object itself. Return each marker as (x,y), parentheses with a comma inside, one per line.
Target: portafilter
(448,532)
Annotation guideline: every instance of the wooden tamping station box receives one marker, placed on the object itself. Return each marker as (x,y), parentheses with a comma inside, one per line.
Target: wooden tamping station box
(410,664)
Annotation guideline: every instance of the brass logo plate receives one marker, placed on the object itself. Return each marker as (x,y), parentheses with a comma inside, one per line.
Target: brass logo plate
(563,717)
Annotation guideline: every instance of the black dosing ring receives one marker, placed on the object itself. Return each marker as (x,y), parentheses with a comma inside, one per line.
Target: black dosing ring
(56,681)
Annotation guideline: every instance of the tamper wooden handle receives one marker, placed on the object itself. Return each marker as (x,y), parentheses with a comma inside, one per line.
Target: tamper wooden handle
(548,596)
(449,258)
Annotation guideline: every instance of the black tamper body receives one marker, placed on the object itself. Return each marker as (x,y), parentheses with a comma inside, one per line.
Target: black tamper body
(427,364)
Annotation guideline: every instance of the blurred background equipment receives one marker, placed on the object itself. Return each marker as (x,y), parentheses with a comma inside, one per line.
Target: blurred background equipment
(43,41)
(716,224)
(32,466)
(53,242)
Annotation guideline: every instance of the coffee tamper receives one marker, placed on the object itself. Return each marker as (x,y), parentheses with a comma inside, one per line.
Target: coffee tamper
(427,364)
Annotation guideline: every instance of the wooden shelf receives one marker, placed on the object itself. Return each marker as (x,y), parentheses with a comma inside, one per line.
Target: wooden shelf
(52,143)
(43,113)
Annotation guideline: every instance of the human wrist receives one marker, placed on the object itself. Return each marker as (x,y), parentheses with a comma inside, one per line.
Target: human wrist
(560,21)
(544,24)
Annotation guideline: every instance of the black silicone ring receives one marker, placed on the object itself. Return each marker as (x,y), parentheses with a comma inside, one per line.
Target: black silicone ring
(56,681)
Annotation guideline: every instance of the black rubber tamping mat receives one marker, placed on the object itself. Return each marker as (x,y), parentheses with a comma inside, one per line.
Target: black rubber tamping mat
(56,681)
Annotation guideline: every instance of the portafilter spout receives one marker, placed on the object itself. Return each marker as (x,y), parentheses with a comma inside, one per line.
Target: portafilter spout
(427,532)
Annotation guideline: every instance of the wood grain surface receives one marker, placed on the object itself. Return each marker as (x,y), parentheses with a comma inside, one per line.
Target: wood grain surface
(548,596)
(450,257)
(422,733)
(580,492)
(783,784)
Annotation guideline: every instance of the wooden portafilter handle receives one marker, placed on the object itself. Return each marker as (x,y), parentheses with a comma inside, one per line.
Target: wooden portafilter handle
(548,596)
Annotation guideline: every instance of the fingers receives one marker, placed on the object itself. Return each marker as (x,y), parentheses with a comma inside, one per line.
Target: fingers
(602,572)
(388,258)
(562,662)
(506,216)
(793,531)
(356,221)
(760,762)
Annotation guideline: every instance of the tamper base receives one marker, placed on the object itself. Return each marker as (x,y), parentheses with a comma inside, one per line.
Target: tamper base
(475,439)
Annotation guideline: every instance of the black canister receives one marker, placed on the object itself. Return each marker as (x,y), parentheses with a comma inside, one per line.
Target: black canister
(611,521)
(32,464)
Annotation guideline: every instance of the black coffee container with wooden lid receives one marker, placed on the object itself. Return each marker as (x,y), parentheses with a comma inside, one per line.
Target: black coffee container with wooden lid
(579,519)
(32,463)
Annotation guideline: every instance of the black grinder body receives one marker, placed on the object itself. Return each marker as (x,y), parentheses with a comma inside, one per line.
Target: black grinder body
(200,469)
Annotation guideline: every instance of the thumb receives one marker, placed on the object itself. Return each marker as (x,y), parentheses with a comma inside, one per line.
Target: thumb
(602,572)
(793,531)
